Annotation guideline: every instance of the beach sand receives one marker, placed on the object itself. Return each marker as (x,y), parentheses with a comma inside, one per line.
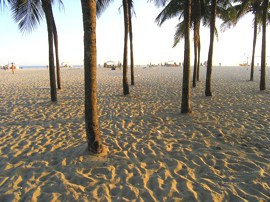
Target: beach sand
(219,152)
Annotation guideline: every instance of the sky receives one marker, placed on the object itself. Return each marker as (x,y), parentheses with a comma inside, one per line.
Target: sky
(152,44)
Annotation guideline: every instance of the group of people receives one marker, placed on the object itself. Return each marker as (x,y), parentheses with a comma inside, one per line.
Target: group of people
(7,67)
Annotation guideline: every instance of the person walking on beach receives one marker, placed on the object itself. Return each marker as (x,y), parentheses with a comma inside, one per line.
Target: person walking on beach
(12,68)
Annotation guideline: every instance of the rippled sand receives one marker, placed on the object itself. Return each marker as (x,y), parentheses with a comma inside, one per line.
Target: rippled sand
(220,152)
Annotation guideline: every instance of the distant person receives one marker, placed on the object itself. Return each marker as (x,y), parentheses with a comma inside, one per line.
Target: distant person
(12,68)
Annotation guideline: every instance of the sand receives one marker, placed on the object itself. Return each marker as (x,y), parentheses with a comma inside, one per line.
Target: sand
(220,152)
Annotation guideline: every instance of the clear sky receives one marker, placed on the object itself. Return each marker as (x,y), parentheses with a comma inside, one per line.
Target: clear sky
(152,44)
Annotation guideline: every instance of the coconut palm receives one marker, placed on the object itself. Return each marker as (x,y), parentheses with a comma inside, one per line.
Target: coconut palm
(208,90)
(185,104)
(172,10)
(90,76)
(101,6)
(46,5)
(125,57)
(55,37)
(130,9)
(175,8)
(200,10)
(244,7)
(254,7)
(263,52)
(221,7)
(196,24)
(28,14)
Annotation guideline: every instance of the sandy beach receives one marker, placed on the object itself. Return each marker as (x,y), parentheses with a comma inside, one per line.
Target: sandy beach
(219,152)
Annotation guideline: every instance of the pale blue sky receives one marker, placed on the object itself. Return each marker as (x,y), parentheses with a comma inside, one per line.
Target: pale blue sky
(151,43)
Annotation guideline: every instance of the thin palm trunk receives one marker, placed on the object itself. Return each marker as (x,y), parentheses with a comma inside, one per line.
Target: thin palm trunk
(195,61)
(199,39)
(253,48)
(197,19)
(90,76)
(185,104)
(131,44)
(263,52)
(208,89)
(199,58)
(56,55)
(48,15)
(125,58)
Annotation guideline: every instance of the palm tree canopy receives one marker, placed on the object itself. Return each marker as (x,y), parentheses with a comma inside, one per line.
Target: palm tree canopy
(243,7)
(175,8)
(28,13)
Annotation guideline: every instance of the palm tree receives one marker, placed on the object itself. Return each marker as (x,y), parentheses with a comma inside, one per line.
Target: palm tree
(56,56)
(196,21)
(208,90)
(263,52)
(175,8)
(46,5)
(125,57)
(243,7)
(130,6)
(28,14)
(55,40)
(127,7)
(254,46)
(172,10)
(185,104)
(90,74)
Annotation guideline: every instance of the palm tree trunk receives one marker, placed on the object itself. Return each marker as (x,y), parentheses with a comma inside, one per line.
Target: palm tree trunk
(263,53)
(199,8)
(253,48)
(56,55)
(48,15)
(208,90)
(197,19)
(199,58)
(90,76)
(185,104)
(131,44)
(195,60)
(125,59)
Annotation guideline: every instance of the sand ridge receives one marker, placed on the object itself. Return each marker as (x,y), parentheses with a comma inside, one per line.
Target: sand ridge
(220,152)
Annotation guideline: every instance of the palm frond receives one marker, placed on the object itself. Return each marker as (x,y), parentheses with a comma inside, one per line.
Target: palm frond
(131,4)
(243,7)
(216,32)
(173,9)
(229,18)
(60,4)
(159,3)
(27,14)
(3,4)
(179,33)
(102,5)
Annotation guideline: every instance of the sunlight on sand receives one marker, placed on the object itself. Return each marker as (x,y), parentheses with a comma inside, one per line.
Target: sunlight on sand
(220,152)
